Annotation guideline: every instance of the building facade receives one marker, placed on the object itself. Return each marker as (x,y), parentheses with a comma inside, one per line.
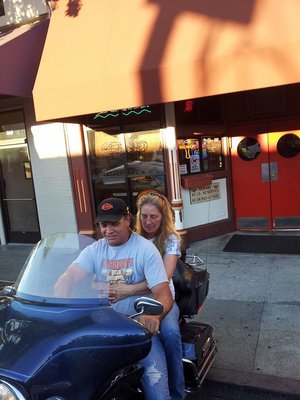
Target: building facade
(32,185)
(199,102)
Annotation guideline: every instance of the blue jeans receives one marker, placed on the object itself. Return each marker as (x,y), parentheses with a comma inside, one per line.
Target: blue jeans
(171,338)
(163,378)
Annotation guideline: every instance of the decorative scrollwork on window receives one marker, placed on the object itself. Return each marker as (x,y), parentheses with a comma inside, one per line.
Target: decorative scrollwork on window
(135,146)
(112,148)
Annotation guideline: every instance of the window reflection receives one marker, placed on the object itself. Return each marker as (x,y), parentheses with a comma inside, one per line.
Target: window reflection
(248,149)
(125,164)
(288,145)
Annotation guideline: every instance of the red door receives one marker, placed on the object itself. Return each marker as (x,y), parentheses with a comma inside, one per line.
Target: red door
(266,182)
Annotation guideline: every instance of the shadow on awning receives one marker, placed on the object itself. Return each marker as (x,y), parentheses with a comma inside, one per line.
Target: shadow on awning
(105,55)
(20,54)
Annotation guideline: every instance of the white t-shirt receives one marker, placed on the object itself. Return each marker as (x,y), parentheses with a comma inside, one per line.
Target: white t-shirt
(173,246)
(135,261)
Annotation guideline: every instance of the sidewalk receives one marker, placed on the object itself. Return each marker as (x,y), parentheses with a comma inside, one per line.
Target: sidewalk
(253,305)
(12,258)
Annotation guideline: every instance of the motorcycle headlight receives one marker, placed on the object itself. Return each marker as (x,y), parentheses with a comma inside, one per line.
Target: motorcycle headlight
(8,392)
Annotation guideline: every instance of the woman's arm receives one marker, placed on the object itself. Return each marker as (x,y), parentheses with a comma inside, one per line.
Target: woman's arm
(172,252)
(170,261)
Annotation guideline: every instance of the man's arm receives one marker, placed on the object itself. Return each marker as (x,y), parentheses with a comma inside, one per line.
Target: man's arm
(68,280)
(121,290)
(162,294)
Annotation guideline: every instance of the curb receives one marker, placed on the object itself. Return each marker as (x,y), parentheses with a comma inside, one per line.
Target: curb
(269,383)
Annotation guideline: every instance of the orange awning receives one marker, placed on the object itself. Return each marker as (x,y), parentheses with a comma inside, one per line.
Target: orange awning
(105,55)
(20,54)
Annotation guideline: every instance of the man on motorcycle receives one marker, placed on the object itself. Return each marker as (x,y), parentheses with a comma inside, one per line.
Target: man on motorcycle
(124,256)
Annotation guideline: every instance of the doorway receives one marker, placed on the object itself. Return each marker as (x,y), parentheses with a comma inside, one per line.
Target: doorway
(266,184)
(17,197)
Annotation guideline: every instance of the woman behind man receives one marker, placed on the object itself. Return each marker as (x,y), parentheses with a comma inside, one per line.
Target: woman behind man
(155,222)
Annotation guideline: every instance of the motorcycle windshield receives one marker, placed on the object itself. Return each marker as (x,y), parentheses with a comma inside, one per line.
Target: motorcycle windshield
(45,265)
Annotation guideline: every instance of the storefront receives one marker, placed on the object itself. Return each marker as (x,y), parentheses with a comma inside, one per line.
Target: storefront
(204,69)
(123,152)
(254,141)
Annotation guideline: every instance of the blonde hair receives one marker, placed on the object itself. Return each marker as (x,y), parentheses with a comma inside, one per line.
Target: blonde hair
(167,227)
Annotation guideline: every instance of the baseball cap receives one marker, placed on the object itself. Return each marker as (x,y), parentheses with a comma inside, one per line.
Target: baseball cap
(111,210)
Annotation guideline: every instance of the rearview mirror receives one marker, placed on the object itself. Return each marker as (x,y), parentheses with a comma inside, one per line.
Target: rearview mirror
(8,290)
(146,305)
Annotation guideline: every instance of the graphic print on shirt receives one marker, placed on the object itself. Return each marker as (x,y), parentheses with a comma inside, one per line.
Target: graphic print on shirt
(118,270)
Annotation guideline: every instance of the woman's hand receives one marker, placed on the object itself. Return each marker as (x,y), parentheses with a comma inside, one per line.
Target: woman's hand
(118,291)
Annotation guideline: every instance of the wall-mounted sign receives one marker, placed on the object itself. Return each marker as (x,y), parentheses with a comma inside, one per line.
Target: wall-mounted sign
(118,119)
(205,193)
(182,169)
(195,162)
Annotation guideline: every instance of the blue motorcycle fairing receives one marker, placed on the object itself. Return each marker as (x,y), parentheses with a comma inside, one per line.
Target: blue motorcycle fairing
(42,345)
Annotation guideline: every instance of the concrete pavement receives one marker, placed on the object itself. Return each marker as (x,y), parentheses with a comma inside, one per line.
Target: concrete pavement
(253,305)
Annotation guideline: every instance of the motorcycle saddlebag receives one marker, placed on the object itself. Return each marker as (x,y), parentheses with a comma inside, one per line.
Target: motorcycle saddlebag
(199,351)
(191,287)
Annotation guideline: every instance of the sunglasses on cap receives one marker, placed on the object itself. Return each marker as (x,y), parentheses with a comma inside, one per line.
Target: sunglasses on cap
(150,192)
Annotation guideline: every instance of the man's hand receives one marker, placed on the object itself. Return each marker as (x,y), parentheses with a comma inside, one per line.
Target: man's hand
(151,322)
(161,293)
(118,291)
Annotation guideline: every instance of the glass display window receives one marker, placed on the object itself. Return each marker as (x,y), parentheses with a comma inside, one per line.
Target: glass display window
(125,164)
(200,155)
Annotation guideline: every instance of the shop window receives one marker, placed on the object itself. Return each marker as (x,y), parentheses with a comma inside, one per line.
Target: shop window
(288,145)
(248,149)
(12,128)
(200,155)
(123,165)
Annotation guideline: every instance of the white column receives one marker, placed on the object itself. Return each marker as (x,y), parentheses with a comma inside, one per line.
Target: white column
(174,177)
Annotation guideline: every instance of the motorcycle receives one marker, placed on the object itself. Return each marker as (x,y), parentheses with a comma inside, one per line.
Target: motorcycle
(78,347)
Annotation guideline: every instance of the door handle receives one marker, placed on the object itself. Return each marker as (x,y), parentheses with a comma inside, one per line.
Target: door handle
(273,171)
(269,172)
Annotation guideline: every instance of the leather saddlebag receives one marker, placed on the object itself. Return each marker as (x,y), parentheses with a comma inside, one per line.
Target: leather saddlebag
(199,350)
(191,287)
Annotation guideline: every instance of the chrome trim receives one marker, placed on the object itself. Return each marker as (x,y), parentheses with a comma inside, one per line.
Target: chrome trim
(205,367)
(16,392)
(25,199)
